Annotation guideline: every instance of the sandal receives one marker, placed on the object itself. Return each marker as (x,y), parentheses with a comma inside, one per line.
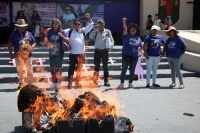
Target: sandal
(155,85)
(181,86)
(172,85)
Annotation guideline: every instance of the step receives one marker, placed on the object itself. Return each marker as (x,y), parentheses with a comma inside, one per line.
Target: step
(46,67)
(87,49)
(191,61)
(46,54)
(161,73)
(89,60)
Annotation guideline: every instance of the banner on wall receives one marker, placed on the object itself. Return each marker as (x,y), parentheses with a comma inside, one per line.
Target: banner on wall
(46,11)
(170,9)
(96,11)
(4,14)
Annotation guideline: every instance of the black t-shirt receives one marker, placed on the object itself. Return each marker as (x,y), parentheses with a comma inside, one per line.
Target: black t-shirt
(149,27)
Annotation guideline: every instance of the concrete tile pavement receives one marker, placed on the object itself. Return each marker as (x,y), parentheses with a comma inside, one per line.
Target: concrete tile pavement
(154,110)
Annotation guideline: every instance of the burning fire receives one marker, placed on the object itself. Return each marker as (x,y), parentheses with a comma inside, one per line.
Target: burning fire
(58,106)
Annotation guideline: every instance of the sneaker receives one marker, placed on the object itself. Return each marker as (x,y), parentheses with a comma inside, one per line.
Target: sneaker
(58,85)
(53,85)
(121,86)
(106,83)
(130,85)
(69,86)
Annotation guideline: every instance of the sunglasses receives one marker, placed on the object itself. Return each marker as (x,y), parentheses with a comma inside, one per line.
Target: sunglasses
(77,24)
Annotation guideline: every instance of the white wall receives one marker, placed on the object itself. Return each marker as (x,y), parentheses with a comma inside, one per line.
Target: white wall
(151,7)
(185,17)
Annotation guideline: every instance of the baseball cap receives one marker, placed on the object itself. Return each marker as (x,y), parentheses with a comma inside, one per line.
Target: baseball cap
(154,27)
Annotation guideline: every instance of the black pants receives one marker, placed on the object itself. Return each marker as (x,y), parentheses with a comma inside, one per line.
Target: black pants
(98,55)
(75,59)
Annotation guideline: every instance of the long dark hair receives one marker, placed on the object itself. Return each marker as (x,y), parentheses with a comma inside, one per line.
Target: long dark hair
(19,13)
(37,16)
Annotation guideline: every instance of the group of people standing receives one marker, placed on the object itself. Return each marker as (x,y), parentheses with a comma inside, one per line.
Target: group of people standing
(174,48)
(156,21)
(53,40)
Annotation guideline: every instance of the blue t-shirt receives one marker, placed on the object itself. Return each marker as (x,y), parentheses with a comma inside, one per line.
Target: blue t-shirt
(154,45)
(16,39)
(174,47)
(131,45)
(53,37)
(67,17)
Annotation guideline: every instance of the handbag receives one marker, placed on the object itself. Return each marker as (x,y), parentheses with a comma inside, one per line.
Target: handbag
(65,46)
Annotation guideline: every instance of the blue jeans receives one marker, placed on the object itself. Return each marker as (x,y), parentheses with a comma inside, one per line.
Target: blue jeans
(152,65)
(56,67)
(175,66)
(128,61)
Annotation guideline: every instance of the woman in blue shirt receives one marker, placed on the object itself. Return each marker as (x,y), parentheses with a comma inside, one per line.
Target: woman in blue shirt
(53,41)
(152,51)
(175,48)
(132,47)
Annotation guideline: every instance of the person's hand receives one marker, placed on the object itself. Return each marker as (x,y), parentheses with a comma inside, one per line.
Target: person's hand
(11,56)
(140,54)
(146,56)
(87,16)
(124,19)
(96,27)
(31,48)
(60,34)
(161,55)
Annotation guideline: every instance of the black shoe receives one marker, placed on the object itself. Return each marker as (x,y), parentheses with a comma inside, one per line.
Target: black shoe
(148,86)
(69,86)
(155,85)
(106,83)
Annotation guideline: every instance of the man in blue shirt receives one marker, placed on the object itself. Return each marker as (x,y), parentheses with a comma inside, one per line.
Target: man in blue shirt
(67,16)
(23,43)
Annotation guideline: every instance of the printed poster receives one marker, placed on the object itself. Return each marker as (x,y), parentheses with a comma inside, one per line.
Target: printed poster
(46,11)
(4,14)
(96,11)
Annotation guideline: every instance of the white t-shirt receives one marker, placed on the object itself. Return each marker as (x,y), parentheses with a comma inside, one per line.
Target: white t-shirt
(157,22)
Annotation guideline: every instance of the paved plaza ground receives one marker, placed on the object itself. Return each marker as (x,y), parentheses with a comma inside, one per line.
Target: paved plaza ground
(154,110)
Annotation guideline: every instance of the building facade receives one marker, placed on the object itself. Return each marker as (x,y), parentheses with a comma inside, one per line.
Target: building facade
(185,14)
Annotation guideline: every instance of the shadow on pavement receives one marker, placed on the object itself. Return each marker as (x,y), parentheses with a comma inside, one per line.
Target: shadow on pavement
(138,87)
(8,90)
(18,129)
(162,87)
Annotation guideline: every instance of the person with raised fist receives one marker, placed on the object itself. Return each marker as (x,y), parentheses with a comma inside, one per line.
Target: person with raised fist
(132,49)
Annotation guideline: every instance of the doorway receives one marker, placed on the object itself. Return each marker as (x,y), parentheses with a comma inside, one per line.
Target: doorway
(196,15)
